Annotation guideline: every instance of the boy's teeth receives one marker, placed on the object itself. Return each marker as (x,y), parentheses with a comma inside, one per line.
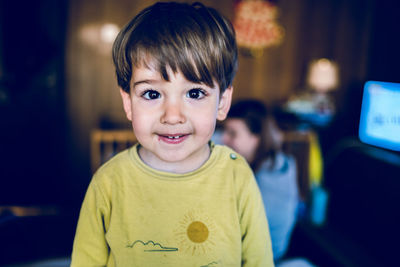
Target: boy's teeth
(174,137)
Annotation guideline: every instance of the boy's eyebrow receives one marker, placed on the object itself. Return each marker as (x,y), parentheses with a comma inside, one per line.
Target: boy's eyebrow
(144,81)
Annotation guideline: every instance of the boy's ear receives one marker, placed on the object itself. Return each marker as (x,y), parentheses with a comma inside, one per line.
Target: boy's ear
(225,103)
(127,103)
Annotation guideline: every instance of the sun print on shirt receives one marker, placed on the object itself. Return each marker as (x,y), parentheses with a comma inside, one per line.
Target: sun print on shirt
(196,233)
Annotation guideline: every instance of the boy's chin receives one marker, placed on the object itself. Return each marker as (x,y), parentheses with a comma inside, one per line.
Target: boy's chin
(175,161)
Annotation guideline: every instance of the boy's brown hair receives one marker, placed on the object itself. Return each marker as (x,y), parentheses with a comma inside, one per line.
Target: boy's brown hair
(193,39)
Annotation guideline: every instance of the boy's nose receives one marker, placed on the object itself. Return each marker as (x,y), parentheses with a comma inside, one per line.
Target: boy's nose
(172,113)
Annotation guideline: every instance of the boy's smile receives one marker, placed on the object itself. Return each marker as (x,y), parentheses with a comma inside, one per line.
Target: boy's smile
(173,138)
(173,120)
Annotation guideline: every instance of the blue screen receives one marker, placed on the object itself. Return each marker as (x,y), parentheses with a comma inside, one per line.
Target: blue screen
(380,115)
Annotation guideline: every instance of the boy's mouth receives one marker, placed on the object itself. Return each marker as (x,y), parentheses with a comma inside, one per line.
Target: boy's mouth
(172,138)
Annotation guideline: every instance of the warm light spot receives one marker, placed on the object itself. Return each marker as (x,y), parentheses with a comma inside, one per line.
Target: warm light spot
(197,232)
(99,37)
(108,32)
(323,75)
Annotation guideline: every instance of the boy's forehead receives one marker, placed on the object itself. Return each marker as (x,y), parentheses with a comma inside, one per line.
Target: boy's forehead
(149,72)
(148,63)
(148,60)
(145,60)
(143,73)
(149,67)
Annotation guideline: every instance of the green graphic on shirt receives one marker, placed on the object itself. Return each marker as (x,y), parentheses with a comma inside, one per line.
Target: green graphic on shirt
(150,246)
(214,263)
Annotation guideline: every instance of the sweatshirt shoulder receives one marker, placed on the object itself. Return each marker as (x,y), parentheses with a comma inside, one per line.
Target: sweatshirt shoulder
(232,156)
(234,161)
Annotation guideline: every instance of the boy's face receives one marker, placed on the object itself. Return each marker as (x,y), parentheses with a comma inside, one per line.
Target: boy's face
(173,120)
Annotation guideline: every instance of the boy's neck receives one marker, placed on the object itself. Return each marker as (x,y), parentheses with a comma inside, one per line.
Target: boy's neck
(189,164)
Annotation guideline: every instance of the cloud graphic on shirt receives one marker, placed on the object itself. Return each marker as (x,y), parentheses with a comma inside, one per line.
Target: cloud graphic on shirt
(214,263)
(151,246)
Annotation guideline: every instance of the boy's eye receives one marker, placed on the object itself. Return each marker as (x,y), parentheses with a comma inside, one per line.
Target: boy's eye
(151,94)
(196,93)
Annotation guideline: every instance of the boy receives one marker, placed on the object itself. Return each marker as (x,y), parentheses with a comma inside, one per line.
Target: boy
(174,199)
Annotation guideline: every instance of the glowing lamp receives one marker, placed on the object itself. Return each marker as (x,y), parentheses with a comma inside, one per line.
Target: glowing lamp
(323,75)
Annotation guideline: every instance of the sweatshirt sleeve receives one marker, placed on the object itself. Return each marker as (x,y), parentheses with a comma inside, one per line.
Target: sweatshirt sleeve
(90,247)
(256,241)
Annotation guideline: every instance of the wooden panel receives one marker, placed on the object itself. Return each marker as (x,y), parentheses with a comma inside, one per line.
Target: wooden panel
(107,143)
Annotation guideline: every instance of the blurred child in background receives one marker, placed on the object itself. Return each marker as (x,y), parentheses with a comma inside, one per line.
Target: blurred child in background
(252,131)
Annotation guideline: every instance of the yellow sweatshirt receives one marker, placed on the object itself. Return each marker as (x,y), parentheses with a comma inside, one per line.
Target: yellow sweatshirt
(134,215)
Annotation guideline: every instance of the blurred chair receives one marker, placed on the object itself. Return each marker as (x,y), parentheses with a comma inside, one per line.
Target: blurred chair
(107,143)
(297,143)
